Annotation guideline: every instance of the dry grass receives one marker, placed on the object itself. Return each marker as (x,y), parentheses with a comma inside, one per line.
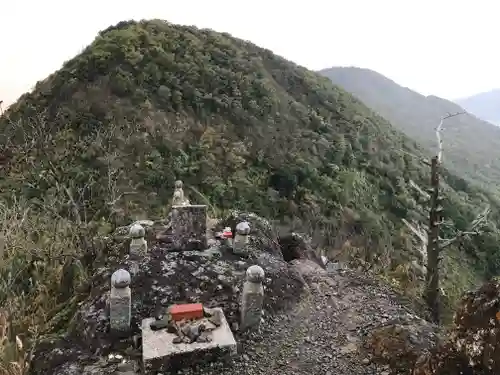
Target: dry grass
(13,356)
(33,249)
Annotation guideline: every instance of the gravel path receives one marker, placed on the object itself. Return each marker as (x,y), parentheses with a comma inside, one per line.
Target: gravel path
(321,335)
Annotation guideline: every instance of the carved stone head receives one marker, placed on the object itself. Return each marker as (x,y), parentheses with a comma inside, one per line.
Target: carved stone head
(120,279)
(255,274)
(137,231)
(243,228)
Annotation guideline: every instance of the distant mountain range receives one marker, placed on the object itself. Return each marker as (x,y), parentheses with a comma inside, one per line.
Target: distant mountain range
(485,105)
(472,146)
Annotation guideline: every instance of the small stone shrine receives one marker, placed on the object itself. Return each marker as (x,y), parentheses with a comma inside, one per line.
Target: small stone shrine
(189,334)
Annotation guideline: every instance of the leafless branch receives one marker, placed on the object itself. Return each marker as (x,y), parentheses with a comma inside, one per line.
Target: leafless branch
(421,159)
(422,236)
(420,190)
(438,133)
(472,231)
(420,233)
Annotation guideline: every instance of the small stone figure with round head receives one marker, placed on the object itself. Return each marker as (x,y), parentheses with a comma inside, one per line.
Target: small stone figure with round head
(138,244)
(241,238)
(252,298)
(255,274)
(120,301)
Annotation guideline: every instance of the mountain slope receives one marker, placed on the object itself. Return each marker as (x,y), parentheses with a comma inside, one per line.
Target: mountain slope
(104,138)
(472,146)
(485,105)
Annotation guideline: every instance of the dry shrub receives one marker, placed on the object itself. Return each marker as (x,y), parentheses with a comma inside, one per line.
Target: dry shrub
(12,354)
(34,245)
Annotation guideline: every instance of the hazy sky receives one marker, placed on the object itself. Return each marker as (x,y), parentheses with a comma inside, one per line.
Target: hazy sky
(442,47)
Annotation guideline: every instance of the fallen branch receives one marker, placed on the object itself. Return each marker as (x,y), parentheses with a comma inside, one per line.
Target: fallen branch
(420,190)
(421,159)
(421,234)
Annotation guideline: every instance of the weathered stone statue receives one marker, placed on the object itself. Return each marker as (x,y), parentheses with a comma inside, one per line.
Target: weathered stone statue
(179,199)
(252,298)
(120,301)
(138,244)
(241,238)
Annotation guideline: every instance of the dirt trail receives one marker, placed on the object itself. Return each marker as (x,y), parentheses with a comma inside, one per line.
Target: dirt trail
(323,334)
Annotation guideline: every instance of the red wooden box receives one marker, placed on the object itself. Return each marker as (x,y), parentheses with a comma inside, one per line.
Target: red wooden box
(186,311)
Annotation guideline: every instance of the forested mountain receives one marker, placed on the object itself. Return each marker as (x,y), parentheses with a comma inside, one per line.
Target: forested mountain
(101,142)
(472,145)
(485,105)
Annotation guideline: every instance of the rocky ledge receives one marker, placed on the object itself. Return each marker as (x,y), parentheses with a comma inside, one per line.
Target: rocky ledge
(314,321)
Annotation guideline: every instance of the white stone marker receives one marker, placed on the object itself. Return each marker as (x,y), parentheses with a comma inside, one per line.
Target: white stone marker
(252,298)
(138,245)
(120,301)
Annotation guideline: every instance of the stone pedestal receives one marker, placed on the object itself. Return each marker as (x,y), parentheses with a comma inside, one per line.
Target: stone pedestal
(120,302)
(161,355)
(189,227)
(138,246)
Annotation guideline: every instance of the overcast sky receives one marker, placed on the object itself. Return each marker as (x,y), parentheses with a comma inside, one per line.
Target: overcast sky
(441,47)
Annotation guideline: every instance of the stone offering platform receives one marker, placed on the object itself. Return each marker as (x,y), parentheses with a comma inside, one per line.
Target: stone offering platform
(160,354)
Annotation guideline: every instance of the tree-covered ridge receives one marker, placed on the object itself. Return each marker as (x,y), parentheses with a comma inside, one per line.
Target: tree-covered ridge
(150,102)
(472,145)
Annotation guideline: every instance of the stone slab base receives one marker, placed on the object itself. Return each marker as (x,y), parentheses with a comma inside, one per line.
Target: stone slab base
(161,355)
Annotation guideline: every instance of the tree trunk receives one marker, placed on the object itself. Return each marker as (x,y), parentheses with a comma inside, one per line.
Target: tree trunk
(432,276)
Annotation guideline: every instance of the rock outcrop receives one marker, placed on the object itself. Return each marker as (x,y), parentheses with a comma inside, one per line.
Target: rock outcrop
(314,321)
(160,278)
(474,343)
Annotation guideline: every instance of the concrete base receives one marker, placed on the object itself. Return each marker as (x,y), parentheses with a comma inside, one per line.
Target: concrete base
(160,354)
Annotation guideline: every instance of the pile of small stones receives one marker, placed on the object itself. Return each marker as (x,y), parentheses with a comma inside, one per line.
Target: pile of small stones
(190,330)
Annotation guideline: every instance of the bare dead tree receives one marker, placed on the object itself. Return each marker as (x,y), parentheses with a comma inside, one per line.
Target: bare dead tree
(432,243)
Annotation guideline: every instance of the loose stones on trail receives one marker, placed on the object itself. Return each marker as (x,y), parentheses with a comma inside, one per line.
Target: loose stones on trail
(138,244)
(189,227)
(252,298)
(120,301)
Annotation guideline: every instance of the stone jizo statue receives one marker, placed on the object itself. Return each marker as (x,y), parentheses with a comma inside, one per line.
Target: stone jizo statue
(252,298)
(138,244)
(120,310)
(241,238)
(179,199)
